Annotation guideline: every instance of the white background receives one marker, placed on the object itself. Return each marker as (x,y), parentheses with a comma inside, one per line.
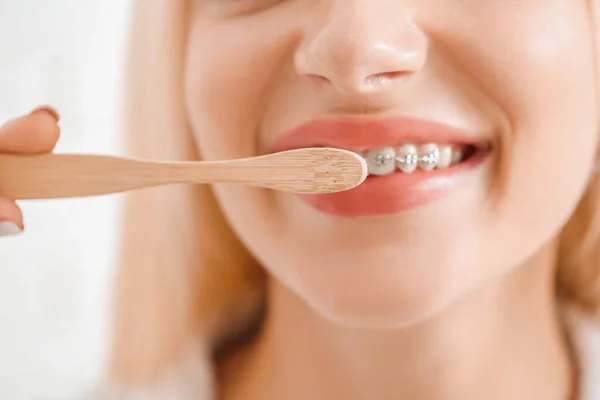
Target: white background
(55,280)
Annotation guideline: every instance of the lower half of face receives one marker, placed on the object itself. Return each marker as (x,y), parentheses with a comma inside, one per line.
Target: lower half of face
(513,110)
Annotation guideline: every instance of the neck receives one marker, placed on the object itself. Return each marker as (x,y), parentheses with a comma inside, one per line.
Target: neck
(504,341)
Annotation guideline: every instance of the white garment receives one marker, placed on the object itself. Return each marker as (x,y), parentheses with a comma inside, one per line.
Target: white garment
(192,378)
(585,333)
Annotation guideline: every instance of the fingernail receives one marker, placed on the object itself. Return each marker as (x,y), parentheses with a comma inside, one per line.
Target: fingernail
(48,110)
(8,228)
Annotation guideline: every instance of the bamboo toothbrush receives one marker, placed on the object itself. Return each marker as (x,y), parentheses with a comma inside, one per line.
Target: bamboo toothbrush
(313,170)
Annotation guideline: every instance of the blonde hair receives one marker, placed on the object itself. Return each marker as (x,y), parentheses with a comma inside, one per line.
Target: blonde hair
(184,275)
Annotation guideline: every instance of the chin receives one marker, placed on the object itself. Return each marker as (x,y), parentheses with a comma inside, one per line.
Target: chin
(378,310)
(358,292)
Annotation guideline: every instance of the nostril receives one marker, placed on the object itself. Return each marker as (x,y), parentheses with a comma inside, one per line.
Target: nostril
(383,78)
(318,79)
(356,84)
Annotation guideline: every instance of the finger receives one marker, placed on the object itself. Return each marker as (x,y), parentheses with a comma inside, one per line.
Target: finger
(11,218)
(34,133)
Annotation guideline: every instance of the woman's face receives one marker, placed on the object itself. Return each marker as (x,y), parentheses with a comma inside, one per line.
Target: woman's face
(505,90)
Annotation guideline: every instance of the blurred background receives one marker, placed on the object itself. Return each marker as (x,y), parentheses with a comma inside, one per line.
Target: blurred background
(55,281)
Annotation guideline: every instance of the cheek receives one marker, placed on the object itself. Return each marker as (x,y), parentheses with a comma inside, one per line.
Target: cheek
(541,75)
(232,71)
(536,70)
(228,85)
(554,132)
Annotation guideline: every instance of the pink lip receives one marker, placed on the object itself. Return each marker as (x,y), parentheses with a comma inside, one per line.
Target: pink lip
(390,194)
(361,133)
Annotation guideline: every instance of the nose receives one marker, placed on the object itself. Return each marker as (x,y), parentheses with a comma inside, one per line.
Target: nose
(357,47)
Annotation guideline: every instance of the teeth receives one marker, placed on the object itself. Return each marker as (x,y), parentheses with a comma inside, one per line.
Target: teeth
(445,157)
(381,161)
(406,158)
(456,157)
(429,155)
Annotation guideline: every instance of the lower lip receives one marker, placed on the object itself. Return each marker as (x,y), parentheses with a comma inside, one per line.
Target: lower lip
(394,193)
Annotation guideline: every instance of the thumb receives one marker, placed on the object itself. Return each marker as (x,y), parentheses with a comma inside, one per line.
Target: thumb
(34,133)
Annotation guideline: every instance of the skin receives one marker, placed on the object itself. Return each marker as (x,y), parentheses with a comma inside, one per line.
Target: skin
(442,66)
(453,300)
(34,133)
(470,311)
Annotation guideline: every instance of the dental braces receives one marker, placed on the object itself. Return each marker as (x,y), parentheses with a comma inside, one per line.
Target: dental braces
(431,158)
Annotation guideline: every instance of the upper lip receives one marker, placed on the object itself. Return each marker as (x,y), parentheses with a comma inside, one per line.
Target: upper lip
(364,133)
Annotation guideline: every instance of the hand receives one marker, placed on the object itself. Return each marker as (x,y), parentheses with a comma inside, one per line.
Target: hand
(35,133)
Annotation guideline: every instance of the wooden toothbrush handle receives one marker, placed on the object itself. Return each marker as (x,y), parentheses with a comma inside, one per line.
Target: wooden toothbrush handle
(321,170)
(48,176)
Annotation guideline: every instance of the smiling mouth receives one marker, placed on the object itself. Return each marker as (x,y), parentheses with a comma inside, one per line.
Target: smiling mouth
(411,162)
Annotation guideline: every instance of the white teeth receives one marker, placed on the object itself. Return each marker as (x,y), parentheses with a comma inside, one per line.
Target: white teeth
(456,157)
(407,158)
(429,155)
(445,157)
(381,161)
